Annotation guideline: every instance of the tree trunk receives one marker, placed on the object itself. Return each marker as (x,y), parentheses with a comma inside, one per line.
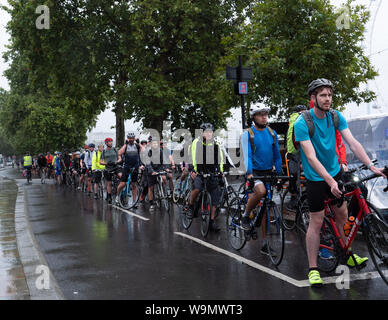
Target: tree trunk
(120,127)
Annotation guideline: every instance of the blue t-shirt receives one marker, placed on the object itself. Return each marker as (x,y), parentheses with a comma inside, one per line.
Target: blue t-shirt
(324,143)
(265,156)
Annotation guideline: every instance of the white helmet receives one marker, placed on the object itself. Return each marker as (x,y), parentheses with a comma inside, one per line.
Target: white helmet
(256,109)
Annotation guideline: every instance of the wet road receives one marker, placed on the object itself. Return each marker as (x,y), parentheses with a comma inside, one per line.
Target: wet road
(96,251)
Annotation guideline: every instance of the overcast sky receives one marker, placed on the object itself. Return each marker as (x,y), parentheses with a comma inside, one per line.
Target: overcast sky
(379,59)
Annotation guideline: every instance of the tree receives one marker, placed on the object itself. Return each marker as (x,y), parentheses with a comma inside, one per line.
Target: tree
(175,72)
(39,124)
(288,43)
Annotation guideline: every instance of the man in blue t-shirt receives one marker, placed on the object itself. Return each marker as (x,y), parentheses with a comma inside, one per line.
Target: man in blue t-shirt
(322,170)
(259,161)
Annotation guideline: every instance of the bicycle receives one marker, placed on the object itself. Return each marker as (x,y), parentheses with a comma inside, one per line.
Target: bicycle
(375,231)
(28,175)
(126,198)
(180,189)
(42,175)
(290,215)
(161,196)
(227,194)
(203,204)
(302,216)
(266,211)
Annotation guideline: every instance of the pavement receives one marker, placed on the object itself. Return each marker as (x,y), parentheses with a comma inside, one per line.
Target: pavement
(24,274)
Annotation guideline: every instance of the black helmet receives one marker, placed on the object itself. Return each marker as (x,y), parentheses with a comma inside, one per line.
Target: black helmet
(315,84)
(300,108)
(206,126)
(92,145)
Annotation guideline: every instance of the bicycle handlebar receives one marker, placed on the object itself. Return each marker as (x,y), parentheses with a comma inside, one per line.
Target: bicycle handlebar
(362,167)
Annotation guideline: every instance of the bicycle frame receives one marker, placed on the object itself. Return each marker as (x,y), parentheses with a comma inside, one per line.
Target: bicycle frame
(363,212)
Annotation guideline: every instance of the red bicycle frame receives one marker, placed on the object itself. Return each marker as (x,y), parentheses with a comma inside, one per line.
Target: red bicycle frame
(364,210)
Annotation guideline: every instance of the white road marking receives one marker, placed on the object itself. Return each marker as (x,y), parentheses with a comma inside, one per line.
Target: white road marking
(131,213)
(297,283)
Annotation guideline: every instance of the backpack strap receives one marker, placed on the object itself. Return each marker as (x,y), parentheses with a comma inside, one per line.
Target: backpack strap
(252,140)
(273,136)
(335,118)
(309,121)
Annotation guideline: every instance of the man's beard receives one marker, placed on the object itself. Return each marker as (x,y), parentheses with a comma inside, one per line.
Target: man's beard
(316,104)
(260,126)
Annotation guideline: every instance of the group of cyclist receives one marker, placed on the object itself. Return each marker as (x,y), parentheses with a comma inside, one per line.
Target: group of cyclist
(315,133)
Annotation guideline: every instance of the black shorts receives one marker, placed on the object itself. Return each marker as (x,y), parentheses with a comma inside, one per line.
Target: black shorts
(126,172)
(151,180)
(212,188)
(318,192)
(97,176)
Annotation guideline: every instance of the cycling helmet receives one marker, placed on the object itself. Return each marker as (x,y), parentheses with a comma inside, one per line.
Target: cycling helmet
(206,126)
(131,135)
(92,145)
(256,109)
(77,153)
(108,140)
(86,147)
(300,108)
(317,83)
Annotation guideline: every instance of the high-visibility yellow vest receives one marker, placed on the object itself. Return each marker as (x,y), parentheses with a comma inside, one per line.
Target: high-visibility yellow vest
(27,161)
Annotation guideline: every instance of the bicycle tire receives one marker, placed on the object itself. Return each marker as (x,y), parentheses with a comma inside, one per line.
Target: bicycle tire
(165,202)
(124,198)
(328,241)
(289,224)
(139,192)
(158,195)
(376,235)
(42,177)
(205,212)
(177,191)
(302,219)
(235,234)
(275,234)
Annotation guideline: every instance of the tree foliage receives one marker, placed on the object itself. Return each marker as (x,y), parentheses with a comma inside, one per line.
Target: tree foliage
(289,43)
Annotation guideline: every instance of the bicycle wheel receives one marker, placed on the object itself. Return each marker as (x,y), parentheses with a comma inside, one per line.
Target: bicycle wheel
(302,220)
(164,198)
(329,248)
(205,211)
(377,241)
(274,234)
(186,221)
(235,234)
(101,191)
(177,190)
(124,197)
(135,200)
(158,194)
(42,177)
(288,216)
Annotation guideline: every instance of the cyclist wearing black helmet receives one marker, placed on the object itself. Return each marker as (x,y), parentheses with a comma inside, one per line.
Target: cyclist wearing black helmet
(201,148)
(321,167)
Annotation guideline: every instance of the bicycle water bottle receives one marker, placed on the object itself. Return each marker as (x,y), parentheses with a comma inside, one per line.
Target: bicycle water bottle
(252,215)
(349,225)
